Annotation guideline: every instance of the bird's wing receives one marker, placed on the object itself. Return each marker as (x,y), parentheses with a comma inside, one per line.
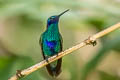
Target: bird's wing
(59,62)
(41,46)
(49,68)
(61,43)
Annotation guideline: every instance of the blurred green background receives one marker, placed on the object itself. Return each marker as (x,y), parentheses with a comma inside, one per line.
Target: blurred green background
(23,21)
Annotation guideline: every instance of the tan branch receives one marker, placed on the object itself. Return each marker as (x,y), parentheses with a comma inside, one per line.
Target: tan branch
(90,40)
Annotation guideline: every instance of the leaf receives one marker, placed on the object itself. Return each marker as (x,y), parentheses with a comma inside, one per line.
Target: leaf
(106,76)
(97,22)
(6,64)
(9,65)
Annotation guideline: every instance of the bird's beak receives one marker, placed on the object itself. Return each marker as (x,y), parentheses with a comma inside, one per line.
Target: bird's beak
(63,12)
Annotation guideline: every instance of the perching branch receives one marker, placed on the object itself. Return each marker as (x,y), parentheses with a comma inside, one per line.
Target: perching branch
(89,41)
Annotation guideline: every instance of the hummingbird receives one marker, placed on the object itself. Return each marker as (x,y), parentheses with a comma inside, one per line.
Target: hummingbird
(51,44)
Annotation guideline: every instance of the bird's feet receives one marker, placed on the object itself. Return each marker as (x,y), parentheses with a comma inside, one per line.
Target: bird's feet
(56,54)
(18,74)
(47,59)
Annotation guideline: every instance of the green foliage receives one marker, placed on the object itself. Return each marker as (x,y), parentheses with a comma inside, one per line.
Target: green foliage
(8,67)
(5,67)
(98,23)
(106,76)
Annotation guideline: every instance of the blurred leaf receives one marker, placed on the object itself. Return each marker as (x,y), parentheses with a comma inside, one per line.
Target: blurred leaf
(6,64)
(8,67)
(27,21)
(96,22)
(73,70)
(106,76)
(99,57)
(24,62)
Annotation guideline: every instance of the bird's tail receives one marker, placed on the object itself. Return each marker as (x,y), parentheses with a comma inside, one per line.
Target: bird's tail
(54,70)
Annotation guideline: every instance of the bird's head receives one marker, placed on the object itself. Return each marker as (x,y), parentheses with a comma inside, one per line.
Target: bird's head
(54,19)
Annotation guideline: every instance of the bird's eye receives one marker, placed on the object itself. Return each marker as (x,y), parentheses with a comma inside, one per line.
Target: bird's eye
(51,18)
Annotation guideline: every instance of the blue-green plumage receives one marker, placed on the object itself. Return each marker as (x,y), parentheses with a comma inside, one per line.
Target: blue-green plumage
(51,40)
(51,44)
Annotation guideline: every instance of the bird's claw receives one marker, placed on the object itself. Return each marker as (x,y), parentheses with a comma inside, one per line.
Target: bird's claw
(56,54)
(18,74)
(47,60)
